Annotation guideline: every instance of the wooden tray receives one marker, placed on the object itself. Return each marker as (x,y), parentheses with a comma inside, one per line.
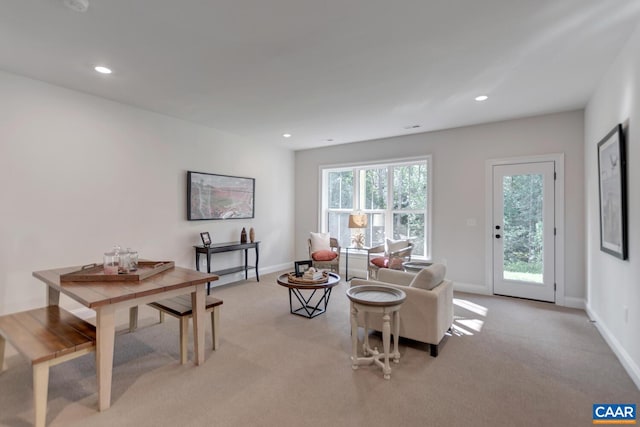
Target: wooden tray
(95,273)
(299,280)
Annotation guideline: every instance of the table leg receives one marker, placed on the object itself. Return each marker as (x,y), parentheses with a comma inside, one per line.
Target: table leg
(386,331)
(354,337)
(199,313)
(396,336)
(246,264)
(105,338)
(346,263)
(53,296)
(365,344)
(257,257)
(208,271)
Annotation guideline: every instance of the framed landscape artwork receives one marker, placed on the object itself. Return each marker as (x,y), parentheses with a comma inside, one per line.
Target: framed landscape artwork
(613,197)
(211,196)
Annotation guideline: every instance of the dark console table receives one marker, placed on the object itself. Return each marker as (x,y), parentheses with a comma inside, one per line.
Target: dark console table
(228,247)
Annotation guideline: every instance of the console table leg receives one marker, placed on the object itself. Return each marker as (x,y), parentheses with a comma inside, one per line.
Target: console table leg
(208,271)
(246,264)
(257,257)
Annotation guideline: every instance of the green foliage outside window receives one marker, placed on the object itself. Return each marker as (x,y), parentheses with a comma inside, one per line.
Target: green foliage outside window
(398,212)
(341,190)
(410,187)
(523,230)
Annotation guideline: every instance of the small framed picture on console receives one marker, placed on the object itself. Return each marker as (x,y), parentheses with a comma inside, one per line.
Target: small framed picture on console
(206,239)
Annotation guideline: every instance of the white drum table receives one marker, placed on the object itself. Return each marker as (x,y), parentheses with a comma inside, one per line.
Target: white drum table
(375,299)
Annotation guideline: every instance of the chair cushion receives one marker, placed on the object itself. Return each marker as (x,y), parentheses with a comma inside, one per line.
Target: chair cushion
(380,261)
(430,277)
(320,242)
(324,255)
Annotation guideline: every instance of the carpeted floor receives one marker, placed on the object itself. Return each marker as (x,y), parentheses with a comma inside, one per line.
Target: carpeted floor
(509,362)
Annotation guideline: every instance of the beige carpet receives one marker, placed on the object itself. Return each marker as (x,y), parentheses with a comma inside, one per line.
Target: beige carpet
(509,362)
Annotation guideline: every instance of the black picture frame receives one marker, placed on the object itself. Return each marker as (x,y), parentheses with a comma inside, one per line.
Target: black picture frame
(206,239)
(302,266)
(214,197)
(612,188)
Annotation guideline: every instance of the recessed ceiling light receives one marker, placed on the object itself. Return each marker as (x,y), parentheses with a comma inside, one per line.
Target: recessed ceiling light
(103,70)
(286,135)
(482,98)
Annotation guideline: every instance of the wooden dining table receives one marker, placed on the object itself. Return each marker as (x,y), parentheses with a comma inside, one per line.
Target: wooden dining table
(105,297)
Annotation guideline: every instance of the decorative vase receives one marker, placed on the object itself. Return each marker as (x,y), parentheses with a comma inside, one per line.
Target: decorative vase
(252,235)
(243,236)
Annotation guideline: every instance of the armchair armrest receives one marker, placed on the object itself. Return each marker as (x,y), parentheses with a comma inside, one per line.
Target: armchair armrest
(401,253)
(395,276)
(358,282)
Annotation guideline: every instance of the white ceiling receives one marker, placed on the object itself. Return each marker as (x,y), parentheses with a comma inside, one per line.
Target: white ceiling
(340,70)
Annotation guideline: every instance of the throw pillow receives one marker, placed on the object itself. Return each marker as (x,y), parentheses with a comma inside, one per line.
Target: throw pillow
(380,261)
(320,242)
(324,255)
(430,277)
(395,245)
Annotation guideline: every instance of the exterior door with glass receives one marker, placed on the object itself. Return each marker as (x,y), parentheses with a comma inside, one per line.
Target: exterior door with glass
(524,230)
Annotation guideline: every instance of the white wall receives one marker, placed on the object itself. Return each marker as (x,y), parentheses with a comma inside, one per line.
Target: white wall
(459,186)
(614,284)
(79,174)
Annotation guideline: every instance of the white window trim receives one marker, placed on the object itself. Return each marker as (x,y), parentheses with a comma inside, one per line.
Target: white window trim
(322,221)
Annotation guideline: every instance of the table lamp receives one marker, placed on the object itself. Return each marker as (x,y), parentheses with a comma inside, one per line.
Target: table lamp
(358,221)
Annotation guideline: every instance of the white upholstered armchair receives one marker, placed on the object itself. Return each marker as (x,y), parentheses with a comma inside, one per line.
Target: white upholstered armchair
(427,313)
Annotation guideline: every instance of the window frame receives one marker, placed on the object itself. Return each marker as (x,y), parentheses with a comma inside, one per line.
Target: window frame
(356,167)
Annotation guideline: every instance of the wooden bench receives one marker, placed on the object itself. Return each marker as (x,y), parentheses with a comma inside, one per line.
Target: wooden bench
(46,336)
(180,307)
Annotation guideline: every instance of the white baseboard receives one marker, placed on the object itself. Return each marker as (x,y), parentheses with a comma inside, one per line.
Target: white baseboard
(471,288)
(573,302)
(474,288)
(627,362)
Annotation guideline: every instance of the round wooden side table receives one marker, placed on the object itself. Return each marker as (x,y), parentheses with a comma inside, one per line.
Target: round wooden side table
(376,299)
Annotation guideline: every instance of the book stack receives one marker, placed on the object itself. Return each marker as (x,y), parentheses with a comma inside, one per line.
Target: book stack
(312,274)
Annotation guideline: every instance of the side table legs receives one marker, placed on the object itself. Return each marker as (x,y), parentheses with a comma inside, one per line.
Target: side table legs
(396,336)
(354,337)
(386,331)
(373,355)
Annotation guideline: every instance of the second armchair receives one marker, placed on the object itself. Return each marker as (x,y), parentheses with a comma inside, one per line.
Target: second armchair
(325,254)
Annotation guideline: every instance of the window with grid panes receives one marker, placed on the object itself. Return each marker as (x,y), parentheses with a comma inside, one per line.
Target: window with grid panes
(394,196)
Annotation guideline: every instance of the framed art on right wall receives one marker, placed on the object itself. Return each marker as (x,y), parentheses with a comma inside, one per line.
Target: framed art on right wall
(613,193)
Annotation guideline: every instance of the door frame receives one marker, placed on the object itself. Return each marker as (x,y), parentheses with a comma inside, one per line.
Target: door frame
(558,159)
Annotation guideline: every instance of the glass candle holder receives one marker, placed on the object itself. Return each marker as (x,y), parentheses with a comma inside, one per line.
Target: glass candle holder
(125,262)
(110,263)
(133,260)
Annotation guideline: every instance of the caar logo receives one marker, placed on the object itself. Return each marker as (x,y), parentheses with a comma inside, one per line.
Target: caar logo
(621,413)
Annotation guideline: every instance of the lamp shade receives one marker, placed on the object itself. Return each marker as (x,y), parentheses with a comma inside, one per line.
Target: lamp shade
(357,221)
